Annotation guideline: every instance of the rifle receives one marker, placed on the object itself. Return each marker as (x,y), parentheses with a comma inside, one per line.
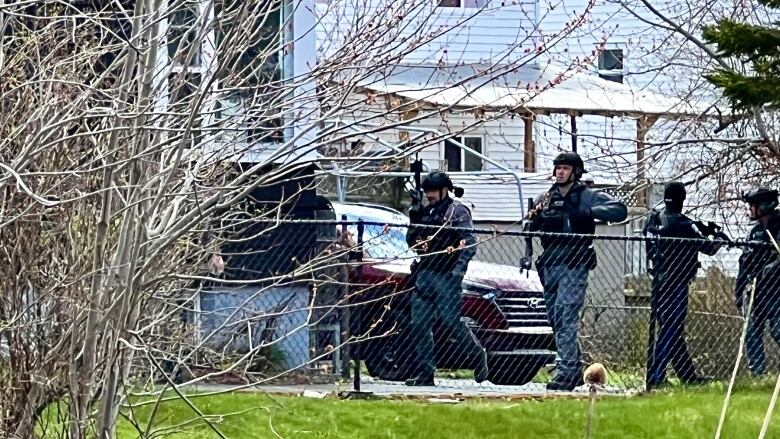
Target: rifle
(415,211)
(525,262)
(534,210)
(711,229)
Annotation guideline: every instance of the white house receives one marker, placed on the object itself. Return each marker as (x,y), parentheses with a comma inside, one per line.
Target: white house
(235,99)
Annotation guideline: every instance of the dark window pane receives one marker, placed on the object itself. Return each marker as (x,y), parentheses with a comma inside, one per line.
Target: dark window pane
(452,155)
(251,63)
(613,78)
(449,3)
(611,59)
(182,31)
(472,162)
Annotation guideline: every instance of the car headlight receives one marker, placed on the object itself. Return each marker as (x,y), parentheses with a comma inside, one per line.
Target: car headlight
(484,291)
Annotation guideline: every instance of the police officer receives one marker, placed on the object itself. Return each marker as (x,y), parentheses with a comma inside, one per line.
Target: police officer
(568,207)
(674,265)
(761,263)
(446,246)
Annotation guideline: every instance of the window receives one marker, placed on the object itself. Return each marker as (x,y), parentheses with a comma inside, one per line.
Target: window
(182,32)
(462,3)
(252,63)
(460,160)
(611,65)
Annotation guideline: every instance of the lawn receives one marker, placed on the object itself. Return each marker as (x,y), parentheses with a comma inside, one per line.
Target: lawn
(678,414)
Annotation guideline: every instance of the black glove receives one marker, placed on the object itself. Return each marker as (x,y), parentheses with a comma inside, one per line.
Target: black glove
(459,269)
(722,236)
(525,263)
(415,214)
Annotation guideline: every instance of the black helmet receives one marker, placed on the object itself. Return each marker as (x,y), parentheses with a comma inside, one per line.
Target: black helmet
(764,198)
(438,180)
(572,159)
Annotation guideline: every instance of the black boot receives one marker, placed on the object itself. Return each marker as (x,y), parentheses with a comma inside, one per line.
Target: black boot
(420,381)
(565,384)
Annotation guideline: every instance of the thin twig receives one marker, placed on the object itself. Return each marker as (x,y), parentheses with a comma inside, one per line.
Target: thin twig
(742,338)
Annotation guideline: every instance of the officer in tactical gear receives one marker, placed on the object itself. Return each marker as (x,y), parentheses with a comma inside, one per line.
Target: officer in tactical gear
(446,246)
(674,265)
(568,207)
(760,263)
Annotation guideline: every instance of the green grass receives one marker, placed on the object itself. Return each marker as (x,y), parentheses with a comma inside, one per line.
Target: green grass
(675,413)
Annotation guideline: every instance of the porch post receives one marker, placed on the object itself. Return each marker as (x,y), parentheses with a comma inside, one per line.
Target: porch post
(643,125)
(529,147)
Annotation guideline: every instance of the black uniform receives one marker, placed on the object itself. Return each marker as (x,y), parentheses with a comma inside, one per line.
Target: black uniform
(761,263)
(675,263)
(434,242)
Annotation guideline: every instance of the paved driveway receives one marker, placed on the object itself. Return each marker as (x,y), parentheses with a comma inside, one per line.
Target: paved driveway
(445,387)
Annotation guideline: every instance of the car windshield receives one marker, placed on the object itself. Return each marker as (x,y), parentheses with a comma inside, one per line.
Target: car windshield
(381,242)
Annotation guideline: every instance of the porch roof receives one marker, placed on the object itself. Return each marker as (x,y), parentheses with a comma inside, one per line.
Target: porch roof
(529,88)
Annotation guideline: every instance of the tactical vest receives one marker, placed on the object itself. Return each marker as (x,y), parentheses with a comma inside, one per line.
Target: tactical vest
(568,214)
(440,238)
(753,259)
(674,260)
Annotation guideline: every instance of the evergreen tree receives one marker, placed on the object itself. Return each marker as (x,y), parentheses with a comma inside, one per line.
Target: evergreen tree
(758,48)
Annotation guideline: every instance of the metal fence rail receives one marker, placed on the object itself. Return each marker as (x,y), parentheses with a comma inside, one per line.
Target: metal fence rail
(320,300)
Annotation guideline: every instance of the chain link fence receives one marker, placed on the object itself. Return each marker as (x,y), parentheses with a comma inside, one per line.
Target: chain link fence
(321,301)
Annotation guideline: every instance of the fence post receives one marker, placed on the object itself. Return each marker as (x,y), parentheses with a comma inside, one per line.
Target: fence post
(652,341)
(344,329)
(356,358)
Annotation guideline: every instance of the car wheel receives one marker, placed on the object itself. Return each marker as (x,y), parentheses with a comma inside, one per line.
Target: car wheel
(387,361)
(513,370)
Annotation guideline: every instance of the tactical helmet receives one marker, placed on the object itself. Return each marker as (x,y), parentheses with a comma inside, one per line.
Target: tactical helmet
(572,159)
(437,180)
(764,198)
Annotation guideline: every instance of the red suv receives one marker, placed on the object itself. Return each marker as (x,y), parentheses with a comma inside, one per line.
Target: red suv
(504,308)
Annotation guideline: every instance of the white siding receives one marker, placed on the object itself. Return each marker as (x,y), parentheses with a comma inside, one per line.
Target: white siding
(605,22)
(503,138)
(435,34)
(497,199)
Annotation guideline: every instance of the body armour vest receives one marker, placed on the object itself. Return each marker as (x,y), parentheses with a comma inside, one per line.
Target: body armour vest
(568,214)
(437,256)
